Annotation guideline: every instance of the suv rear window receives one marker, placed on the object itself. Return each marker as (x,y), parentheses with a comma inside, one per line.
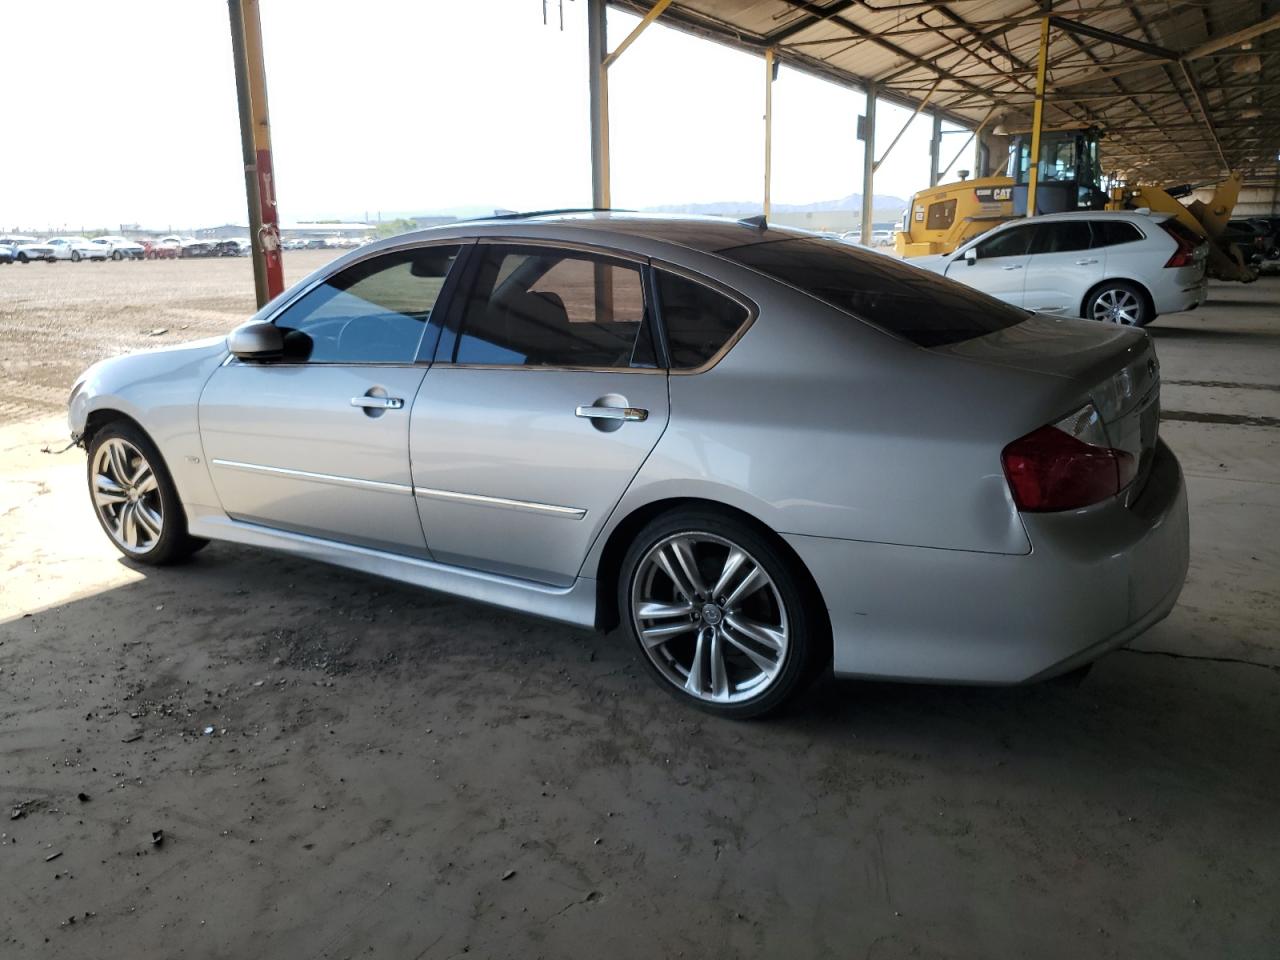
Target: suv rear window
(919,306)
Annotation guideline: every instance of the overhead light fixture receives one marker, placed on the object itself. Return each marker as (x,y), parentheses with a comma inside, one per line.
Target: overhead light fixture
(1250,64)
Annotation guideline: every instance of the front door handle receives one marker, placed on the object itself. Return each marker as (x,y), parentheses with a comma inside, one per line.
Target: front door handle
(1083,263)
(633,414)
(1016,266)
(378,403)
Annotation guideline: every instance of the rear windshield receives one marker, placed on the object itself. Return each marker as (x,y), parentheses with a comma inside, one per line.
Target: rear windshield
(922,307)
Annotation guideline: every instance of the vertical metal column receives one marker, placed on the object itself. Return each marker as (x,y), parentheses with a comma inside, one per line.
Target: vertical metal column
(768,127)
(598,84)
(868,163)
(255,142)
(935,150)
(1042,64)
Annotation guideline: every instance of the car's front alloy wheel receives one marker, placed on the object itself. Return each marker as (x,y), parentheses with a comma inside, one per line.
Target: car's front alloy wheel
(127,496)
(719,614)
(134,497)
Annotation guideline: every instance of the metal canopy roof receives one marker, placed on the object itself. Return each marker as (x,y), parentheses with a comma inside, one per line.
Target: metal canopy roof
(1185,89)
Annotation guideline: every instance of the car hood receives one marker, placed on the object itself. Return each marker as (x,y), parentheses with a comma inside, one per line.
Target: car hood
(937,262)
(1061,347)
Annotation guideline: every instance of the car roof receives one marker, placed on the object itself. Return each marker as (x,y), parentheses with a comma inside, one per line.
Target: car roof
(1127,215)
(701,233)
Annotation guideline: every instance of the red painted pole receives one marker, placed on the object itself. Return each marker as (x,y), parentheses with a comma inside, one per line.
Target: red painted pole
(255,142)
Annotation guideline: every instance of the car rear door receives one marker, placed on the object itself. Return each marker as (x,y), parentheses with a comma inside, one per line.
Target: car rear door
(1062,267)
(544,400)
(318,441)
(1000,267)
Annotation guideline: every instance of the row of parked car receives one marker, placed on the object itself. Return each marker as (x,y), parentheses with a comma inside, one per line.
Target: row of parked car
(26,249)
(1258,237)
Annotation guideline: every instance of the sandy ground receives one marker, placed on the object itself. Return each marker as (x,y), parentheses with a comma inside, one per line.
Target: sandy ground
(395,774)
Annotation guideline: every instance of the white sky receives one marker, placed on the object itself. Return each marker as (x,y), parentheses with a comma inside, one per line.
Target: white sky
(125,111)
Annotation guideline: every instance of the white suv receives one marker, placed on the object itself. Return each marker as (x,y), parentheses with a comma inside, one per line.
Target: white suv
(1123,267)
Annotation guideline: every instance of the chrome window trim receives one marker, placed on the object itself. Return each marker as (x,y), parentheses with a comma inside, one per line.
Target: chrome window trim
(529,506)
(450,365)
(382,485)
(753,311)
(573,246)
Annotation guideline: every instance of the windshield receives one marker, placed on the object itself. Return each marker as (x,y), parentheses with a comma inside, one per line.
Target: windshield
(920,306)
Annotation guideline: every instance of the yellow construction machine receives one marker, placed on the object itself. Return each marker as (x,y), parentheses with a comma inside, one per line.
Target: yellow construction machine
(1070,177)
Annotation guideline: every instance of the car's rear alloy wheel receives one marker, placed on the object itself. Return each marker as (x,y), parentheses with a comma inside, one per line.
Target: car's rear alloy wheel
(127,496)
(134,497)
(1120,304)
(718,614)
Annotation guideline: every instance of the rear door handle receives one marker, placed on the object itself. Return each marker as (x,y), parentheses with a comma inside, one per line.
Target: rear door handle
(378,403)
(634,414)
(1016,266)
(1086,262)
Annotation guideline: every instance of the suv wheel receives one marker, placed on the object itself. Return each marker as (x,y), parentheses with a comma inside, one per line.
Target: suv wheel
(1119,302)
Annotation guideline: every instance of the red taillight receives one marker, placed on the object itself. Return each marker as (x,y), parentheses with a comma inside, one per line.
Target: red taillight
(1184,255)
(1056,468)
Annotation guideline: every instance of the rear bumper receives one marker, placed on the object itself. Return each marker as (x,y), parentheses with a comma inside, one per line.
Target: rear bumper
(1178,296)
(1094,580)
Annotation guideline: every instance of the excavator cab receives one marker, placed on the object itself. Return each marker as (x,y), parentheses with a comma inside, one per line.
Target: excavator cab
(1070,176)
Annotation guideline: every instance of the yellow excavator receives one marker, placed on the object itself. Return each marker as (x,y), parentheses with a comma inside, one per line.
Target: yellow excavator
(1070,177)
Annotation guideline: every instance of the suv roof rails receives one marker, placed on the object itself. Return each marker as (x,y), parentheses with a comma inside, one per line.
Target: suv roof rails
(547,213)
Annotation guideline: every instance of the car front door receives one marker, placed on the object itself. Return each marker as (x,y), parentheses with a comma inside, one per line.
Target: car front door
(544,400)
(1062,267)
(318,441)
(1000,266)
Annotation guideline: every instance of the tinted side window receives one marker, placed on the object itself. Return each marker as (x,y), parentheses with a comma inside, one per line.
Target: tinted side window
(1108,233)
(1062,237)
(536,306)
(913,303)
(1007,243)
(373,312)
(699,320)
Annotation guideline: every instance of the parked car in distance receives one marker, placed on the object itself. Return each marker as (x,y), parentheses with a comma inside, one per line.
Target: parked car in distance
(763,452)
(1124,267)
(234,247)
(882,238)
(76,249)
(159,250)
(119,248)
(7,253)
(26,249)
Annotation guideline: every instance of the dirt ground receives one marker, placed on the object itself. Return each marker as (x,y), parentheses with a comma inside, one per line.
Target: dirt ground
(337,766)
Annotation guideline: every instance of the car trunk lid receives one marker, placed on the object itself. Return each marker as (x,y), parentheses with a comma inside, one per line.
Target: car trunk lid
(1115,367)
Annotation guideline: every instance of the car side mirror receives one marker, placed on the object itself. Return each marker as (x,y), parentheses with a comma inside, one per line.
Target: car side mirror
(971,256)
(257,341)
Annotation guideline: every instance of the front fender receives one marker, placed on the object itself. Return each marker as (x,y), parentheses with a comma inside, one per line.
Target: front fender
(160,390)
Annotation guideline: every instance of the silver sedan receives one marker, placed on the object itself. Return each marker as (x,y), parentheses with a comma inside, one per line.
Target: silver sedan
(764,453)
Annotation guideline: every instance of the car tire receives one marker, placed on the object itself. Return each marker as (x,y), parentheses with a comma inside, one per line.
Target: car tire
(740,652)
(134,498)
(117,255)
(75,256)
(1119,302)
(22,258)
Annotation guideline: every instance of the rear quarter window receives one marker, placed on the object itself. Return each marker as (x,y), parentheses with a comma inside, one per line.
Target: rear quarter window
(1110,233)
(919,306)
